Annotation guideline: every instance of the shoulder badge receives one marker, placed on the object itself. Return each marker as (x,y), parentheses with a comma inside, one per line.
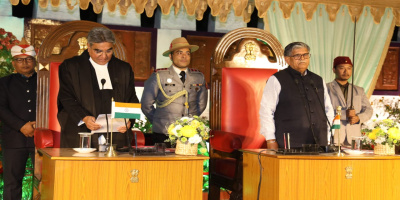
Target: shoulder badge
(193,70)
(160,69)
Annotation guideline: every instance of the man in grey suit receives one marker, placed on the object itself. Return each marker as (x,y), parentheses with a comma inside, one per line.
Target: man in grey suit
(177,91)
(340,92)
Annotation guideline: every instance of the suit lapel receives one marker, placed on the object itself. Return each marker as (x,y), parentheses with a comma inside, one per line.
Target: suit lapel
(174,75)
(338,91)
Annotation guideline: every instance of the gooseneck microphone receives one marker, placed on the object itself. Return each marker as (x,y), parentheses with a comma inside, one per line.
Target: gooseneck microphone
(322,107)
(103,81)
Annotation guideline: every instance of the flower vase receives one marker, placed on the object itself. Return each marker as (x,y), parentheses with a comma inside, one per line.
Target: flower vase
(381,149)
(185,148)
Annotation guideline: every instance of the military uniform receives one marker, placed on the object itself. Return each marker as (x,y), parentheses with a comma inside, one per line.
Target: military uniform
(160,117)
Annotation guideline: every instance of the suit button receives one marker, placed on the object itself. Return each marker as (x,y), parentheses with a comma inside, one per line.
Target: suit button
(27,80)
(27,90)
(312,111)
(29,110)
(29,100)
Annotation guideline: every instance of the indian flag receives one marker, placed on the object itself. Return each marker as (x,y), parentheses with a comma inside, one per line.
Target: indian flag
(336,122)
(126,110)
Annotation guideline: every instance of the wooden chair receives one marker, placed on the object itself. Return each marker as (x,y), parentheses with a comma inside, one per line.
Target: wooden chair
(243,61)
(65,41)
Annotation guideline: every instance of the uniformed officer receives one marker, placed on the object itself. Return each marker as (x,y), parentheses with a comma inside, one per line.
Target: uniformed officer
(18,113)
(177,91)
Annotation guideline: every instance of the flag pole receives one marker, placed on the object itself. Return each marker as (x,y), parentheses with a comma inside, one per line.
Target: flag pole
(111,151)
(337,132)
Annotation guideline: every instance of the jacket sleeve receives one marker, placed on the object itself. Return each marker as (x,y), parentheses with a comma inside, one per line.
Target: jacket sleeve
(202,97)
(6,115)
(149,96)
(67,99)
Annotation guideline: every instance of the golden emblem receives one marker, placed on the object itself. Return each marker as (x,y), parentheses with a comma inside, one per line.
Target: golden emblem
(23,51)
(249,47)
(349,172)
(134,176)
(82,45)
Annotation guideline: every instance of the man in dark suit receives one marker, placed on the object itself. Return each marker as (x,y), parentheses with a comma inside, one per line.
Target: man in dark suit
(87,84)
(18,114)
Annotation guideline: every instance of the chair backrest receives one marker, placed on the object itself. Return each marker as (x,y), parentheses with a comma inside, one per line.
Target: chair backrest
(241,93)
(243,61)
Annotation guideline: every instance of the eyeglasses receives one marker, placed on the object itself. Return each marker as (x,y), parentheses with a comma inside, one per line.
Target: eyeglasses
(298,56)
(27,59)
(180,53)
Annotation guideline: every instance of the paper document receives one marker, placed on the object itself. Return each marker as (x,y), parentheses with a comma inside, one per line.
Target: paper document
(116,123)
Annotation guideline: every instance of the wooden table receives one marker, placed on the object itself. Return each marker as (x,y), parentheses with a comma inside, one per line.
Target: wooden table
(319,177)
(73,176)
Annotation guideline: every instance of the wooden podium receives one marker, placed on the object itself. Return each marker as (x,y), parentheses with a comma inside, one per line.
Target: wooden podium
(69,175)
(319,177)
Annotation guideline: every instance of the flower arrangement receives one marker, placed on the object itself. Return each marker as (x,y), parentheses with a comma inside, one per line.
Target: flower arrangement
(190,130)
(382,132)
(143,125)
(7,41)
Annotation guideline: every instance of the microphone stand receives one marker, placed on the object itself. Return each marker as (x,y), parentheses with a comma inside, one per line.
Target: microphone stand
(307,111)
(331,145)
(103,81)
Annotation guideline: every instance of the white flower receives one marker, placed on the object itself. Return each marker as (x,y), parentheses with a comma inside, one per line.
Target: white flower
(195,139)
(185,118)
(379,140)
(177,127)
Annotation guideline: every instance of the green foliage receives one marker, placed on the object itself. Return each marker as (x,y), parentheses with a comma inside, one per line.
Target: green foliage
(144,126)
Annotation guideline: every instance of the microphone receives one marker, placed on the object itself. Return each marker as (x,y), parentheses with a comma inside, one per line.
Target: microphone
(322,107)
(103,81)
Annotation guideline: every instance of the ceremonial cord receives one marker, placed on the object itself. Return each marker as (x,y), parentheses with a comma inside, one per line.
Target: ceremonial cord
(172,98)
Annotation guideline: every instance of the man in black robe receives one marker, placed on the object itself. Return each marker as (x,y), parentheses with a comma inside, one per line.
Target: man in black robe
(18,114)
(87,84)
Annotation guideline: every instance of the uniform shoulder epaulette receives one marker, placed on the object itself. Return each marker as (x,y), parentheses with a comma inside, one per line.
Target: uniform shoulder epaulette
(194,70)
(160,69)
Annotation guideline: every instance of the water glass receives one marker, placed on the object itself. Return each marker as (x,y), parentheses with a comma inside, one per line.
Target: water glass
(356,143)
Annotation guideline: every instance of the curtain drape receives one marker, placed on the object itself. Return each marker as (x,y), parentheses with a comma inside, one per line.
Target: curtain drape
(329,39)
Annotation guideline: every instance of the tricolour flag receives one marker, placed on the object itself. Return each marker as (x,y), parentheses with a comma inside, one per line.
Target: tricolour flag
(336,122)
(126,110)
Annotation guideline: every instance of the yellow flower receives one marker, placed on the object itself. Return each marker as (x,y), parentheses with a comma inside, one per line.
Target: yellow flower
(195,124)
(394,133)
(170,128)
(373,133)
(183,139)
(203,150)
(188,131)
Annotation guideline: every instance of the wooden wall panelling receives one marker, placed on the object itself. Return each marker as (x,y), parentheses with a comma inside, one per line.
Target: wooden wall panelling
(389,76)
(137,45)
(201,59)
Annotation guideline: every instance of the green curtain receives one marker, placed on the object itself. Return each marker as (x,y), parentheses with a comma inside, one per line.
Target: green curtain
(330,39)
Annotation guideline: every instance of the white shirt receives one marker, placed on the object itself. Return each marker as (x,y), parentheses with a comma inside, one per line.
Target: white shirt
(102,73)
(178,71)
(270,100)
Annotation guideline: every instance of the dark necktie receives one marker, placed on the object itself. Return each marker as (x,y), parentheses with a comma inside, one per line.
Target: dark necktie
(182,76)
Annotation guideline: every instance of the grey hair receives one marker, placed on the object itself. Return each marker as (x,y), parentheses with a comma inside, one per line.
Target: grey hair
(100,35)
(294,45)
